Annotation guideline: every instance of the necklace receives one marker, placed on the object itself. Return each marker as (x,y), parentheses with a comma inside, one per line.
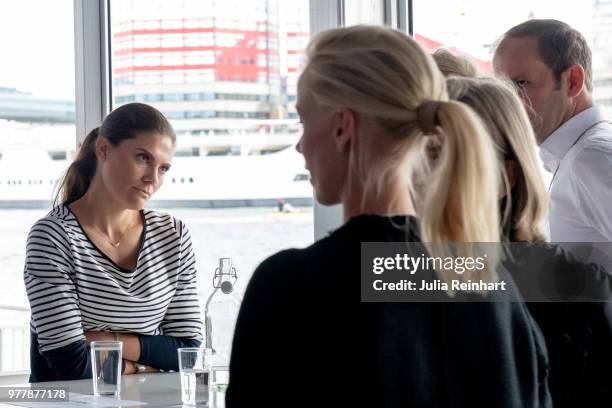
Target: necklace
(107,238)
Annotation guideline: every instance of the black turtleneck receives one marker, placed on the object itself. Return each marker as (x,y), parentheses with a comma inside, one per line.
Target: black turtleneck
(304,338)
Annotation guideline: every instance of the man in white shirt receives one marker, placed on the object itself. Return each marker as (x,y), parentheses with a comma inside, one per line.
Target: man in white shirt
(550,63)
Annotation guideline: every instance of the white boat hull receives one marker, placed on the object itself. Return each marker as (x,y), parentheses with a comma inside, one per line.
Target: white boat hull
(28,179)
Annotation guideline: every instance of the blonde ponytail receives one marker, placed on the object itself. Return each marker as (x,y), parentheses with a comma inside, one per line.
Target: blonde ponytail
(461,203)
(384,75)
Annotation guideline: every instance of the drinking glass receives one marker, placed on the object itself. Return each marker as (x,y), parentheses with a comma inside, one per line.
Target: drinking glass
(194,366)
(106,367)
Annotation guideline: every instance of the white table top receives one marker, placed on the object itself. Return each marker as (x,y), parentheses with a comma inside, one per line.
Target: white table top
(156,389)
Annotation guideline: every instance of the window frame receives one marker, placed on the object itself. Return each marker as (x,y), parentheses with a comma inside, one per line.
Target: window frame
(93,68)
(92,91)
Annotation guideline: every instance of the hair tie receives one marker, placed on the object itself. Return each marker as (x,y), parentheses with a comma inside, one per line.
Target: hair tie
(427,116)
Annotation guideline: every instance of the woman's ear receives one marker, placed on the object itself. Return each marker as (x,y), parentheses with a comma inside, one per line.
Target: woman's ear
(511,171)
(344,128)
(102,145)
(433,147)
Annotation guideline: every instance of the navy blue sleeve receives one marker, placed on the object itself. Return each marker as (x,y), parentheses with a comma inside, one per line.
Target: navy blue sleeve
(71,362)
(160,351)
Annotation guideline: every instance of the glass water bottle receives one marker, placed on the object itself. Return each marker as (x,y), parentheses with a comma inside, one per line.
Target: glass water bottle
(220,316)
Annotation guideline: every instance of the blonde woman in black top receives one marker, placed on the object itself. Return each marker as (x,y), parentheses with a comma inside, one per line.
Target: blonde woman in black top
(368,99)
(578,333)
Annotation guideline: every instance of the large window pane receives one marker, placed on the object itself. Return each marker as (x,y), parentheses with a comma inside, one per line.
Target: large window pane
(225,74)
(472,27)
(363,12)
(37,137)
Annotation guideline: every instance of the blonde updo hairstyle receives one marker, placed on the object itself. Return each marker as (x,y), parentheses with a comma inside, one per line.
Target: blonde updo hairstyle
(382,74)
(451,64)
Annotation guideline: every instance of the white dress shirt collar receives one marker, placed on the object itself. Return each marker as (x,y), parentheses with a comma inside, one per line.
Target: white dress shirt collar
(556,146)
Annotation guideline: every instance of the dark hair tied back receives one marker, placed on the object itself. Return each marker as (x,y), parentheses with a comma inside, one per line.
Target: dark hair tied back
(78,176)
(125,122)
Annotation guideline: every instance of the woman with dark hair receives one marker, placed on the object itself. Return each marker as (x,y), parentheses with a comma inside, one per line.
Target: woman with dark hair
(100,267)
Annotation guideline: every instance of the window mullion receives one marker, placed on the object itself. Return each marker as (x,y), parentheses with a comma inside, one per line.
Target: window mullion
(90,66)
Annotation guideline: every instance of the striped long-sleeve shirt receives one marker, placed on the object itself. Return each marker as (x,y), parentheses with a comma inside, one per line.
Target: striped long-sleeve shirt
(74,287)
